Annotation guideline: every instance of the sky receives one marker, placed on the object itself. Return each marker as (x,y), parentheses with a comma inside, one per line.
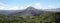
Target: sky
(23,4)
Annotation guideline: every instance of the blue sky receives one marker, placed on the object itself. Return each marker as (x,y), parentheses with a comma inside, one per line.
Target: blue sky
(23,4)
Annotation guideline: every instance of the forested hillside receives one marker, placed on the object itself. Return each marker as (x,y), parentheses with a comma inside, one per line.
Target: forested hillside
(47,17)
(50,17)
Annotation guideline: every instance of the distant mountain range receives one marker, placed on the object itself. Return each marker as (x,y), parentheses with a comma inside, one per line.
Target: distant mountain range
(9,11)
(30,10)
(53,10)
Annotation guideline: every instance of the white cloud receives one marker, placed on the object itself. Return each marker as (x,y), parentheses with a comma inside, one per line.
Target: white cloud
(38,6)
(53,6)
(28,5)
(8,7)
(14,8)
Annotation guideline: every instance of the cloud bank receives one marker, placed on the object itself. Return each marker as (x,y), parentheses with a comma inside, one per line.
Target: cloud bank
(36,5)
(53,6)
(10,7)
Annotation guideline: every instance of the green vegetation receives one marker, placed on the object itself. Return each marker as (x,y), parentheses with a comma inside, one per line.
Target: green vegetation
(48,17)
(17,19)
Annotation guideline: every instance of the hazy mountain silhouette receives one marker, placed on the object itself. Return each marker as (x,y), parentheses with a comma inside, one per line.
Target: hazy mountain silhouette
(29,10)
(53,10)
(6,12)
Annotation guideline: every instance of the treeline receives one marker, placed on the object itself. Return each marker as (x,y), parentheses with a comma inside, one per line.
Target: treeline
(50,17)
(47,17)
(18,19)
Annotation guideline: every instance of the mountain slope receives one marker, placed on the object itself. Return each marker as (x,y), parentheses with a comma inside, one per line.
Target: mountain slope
(30,10)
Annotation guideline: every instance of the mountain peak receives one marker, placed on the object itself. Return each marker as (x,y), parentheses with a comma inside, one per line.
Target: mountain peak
(30,8)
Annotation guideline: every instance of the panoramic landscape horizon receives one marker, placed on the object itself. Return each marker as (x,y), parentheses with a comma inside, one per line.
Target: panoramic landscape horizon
(29,11)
